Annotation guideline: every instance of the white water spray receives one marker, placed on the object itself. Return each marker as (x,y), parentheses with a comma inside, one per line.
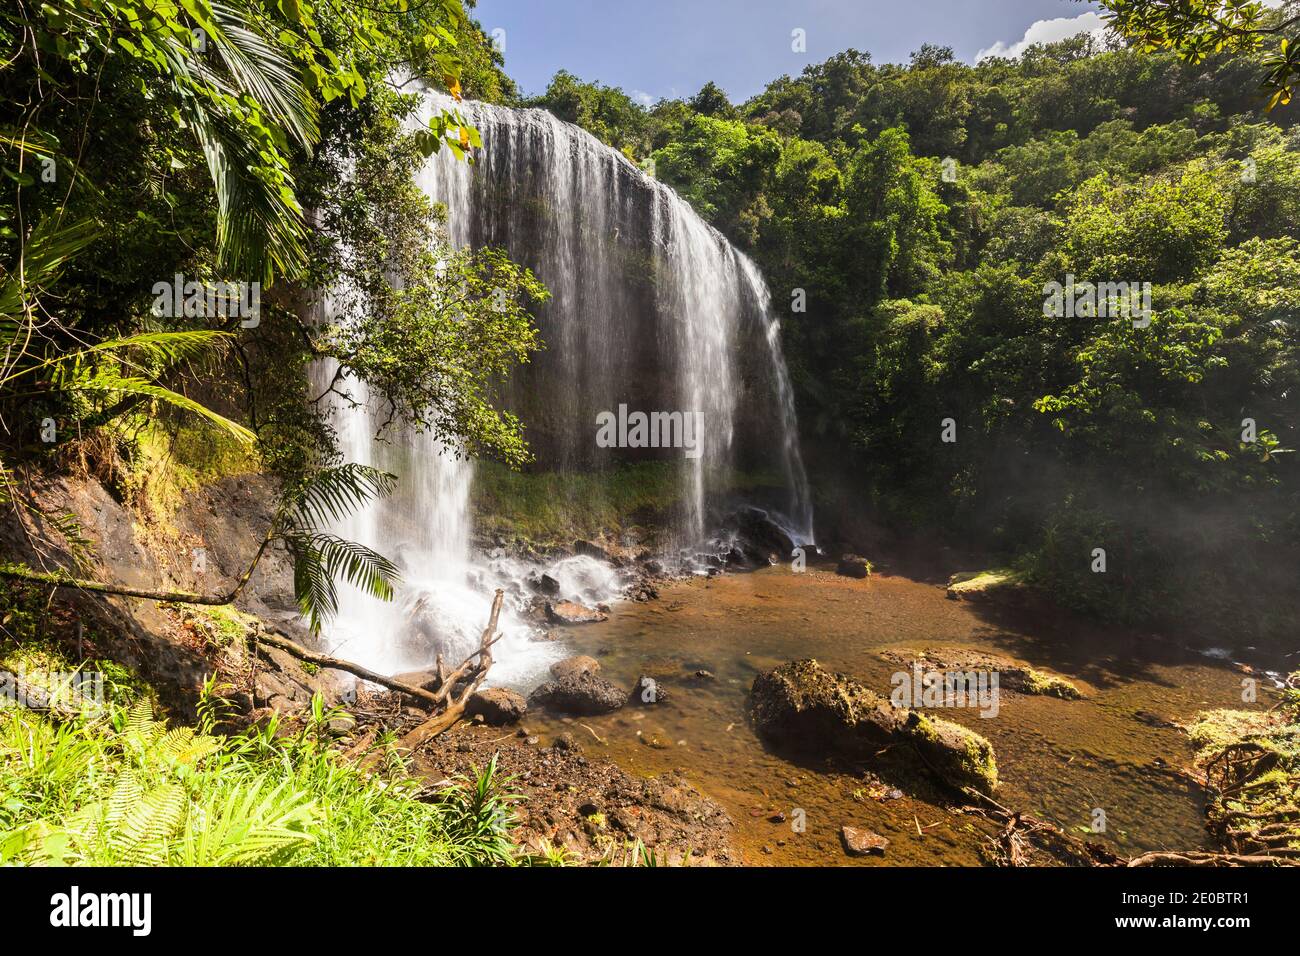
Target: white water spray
(650,306)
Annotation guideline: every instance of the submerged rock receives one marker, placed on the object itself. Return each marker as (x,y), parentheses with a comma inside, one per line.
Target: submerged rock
(648,690)
(1013,675)
(579,664)
(582,693)
(853,566)
(497,706)
(860,842)
(571,612)
(566,741)
(801,704)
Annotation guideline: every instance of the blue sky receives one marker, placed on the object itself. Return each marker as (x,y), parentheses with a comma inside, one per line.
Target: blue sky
(669,48)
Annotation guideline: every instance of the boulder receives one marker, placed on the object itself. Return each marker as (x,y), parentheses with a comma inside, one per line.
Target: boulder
(853,566)
(800,704)
(648,690)
(591,550)
(860,842)
(497,706)
(582,694)
(340,725)
(579,664)
(757,526)
(1013,675)
(982,586)
(544,584)
(571,612)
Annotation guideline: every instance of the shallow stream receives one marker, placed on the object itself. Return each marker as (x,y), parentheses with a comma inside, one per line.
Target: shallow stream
(1116,750)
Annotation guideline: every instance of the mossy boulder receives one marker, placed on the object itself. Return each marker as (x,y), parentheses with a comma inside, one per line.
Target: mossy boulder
(803,705)
(853,566)
(998,584)
(1013,675)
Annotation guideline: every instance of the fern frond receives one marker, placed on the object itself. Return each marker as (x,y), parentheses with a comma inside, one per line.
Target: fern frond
(127,792)
(181,746)
(139,719)
(143,835)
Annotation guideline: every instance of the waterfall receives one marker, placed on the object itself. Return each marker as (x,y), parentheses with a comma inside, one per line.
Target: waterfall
(651,311)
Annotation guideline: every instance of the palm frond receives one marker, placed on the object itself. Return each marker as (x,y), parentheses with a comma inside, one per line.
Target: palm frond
(334,493)
(264,73)
(50,244)
(106,382)
(313,588)
(164,347)
(357,564)
(321,558)
(260,228)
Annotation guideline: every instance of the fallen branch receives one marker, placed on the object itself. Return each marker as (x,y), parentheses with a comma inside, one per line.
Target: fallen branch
(1201,858)
(61,579)
(1023,833)
(339,664)
(469,674)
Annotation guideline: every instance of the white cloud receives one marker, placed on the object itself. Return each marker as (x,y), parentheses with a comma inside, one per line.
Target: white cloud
(644,98)
(1047,31)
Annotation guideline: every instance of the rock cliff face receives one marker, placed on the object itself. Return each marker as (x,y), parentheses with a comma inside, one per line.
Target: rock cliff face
(203,548)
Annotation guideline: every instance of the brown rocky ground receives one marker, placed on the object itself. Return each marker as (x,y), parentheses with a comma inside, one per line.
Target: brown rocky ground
(592,809)
(171,647)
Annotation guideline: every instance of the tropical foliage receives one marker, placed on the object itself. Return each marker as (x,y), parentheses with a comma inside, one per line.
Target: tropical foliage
(120,788)
(910,218)
(163,154)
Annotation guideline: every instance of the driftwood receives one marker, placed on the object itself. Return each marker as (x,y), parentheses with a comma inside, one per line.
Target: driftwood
(61,579)
(1023,836)
(439,693)
(1201,858)
(469,675)
(277,640)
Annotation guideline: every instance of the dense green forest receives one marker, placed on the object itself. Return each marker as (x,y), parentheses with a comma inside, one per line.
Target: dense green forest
(910,297)
(184,181)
